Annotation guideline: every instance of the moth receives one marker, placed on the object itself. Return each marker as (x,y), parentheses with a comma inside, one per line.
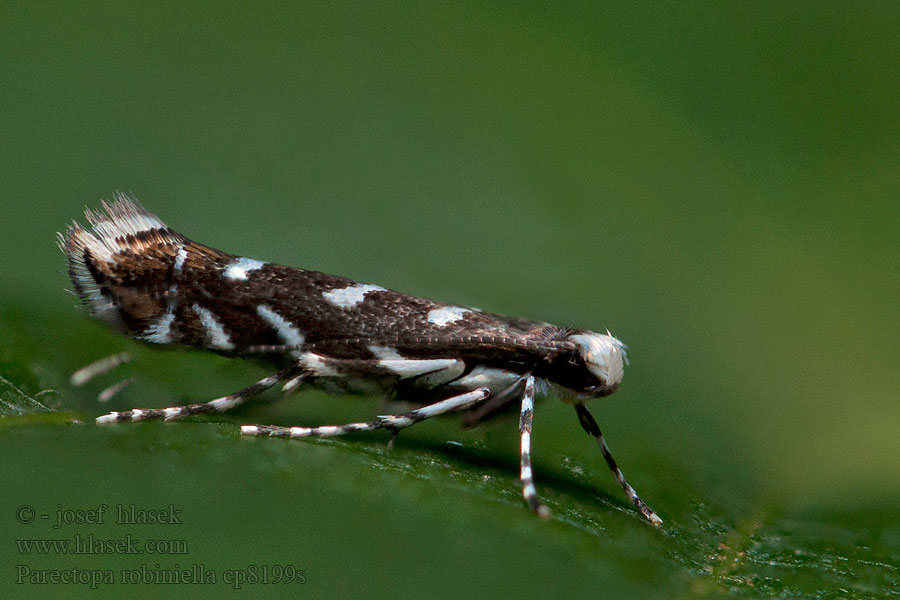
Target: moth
(152,283)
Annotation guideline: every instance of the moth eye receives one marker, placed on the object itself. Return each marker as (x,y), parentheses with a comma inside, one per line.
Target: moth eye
(603,355)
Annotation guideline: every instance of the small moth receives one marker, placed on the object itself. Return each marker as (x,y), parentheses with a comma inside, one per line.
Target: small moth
(154,284)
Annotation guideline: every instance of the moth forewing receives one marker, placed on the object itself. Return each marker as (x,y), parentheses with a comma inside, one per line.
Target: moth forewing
(156,285)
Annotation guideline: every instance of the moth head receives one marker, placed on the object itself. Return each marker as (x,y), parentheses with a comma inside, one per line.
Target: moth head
(605,359)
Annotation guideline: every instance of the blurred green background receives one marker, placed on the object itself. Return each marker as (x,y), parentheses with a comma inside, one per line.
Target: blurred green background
(716,183)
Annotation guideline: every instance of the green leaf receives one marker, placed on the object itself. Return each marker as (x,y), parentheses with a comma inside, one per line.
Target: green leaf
(15,402)
(714,182)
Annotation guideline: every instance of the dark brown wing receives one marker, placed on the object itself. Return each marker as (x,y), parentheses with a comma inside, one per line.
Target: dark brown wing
(159,286)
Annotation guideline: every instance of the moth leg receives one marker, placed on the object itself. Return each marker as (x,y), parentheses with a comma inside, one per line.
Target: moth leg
(497,403)
(394,433)
(224,403)
(590,425)
(107,394)
(392,422)
(525,474)
(98,367)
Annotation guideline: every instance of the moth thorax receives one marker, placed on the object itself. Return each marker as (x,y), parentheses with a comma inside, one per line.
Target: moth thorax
(603,355)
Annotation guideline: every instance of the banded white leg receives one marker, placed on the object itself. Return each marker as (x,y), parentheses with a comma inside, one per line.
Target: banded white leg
(107,394)
(529,492)
(224,403)
(590,425)
(391,422)
(98,367)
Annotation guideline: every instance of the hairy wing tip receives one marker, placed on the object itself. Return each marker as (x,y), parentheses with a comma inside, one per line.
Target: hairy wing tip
(121,225)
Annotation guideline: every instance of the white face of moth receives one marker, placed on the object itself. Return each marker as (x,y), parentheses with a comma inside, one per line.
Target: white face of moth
(604,356)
